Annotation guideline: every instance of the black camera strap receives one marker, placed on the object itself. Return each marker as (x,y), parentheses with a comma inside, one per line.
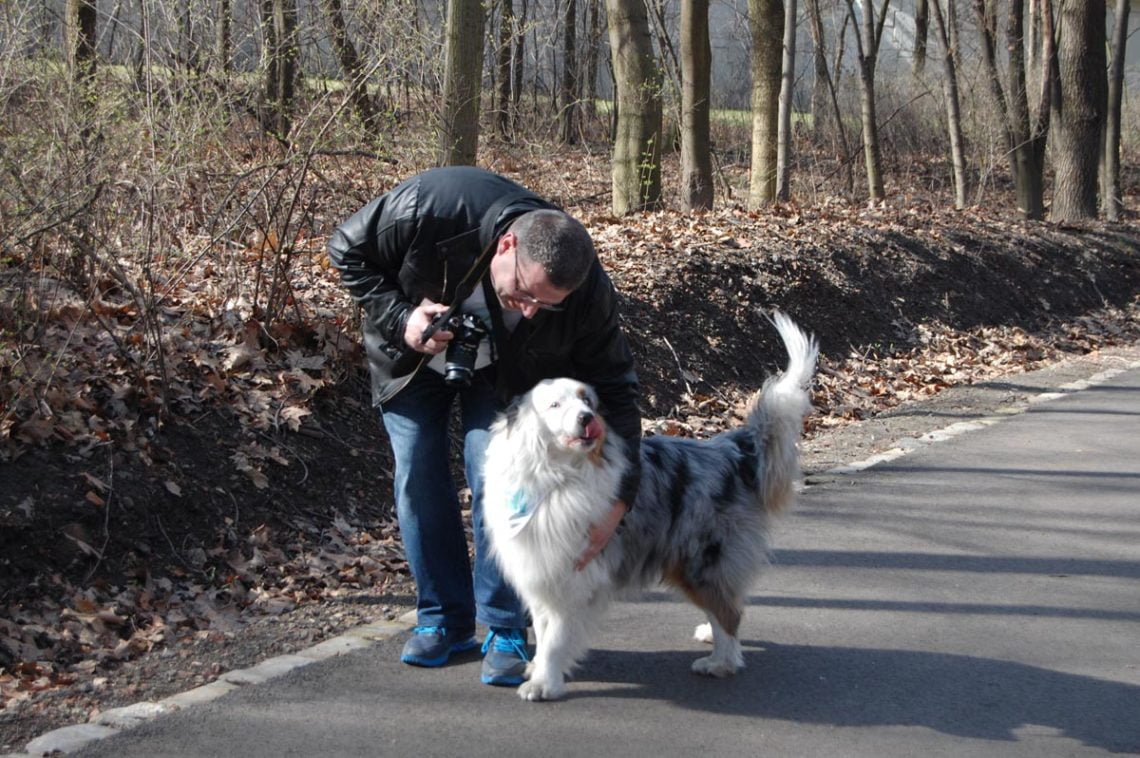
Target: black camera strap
(499,334)
(464,289)
(489,225)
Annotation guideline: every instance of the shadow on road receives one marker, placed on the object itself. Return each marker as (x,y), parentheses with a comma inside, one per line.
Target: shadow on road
(959,695)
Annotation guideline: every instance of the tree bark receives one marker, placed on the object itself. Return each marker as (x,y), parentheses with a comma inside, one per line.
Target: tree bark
(355,74)
(787,90)
(696,66)
(462,83)
(503,61)
(1111,197)
(594,42)
(80,29)
(518,63)
(81,22)
(224,40)
(279,21)
(1080,117)
(766,22)
(948,34)
(921,31)
(637,142)
(1025,133)
(821,79)
(867,39)
(569,111)
(1028,178)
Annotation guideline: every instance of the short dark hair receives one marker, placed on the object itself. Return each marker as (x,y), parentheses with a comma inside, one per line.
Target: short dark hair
(559,243)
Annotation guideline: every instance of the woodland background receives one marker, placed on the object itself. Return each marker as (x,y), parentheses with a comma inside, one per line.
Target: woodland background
(944,190)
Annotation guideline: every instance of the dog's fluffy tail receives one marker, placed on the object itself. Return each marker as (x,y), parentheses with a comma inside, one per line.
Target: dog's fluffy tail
(778,410)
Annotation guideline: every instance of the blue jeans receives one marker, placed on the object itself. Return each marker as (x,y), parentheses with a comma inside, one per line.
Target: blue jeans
(427,505)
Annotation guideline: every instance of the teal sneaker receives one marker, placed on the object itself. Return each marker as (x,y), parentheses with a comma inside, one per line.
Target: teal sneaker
(432,645)
(504,657)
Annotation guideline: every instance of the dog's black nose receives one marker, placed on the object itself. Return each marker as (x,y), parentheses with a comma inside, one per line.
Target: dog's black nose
(584,418)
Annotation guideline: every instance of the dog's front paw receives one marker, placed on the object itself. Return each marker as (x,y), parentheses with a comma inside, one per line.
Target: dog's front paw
(537,690)
(711,665)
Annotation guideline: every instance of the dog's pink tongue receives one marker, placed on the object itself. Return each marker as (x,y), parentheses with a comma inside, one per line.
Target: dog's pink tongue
(593,429)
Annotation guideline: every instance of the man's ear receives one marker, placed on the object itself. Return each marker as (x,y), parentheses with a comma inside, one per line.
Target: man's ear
(507,242)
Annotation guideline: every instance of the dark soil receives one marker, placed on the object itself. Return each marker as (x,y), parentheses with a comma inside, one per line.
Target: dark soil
(864,281)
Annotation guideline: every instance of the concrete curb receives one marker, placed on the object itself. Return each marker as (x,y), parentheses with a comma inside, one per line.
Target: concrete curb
(69,739)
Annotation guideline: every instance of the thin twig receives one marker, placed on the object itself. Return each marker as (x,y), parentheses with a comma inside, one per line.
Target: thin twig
(106,514)
(680,368)
(178,555)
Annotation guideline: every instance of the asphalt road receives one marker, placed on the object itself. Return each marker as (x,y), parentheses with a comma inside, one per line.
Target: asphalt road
(977,597)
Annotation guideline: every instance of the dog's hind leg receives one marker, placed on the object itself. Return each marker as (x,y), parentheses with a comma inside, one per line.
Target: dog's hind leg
(724,616)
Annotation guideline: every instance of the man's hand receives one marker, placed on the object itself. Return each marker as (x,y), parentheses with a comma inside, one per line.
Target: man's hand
(601,532)
(419,320)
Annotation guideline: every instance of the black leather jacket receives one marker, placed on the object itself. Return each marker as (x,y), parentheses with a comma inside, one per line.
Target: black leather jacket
(420,240)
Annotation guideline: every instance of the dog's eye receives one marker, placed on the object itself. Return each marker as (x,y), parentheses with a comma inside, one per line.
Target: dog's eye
(555,404)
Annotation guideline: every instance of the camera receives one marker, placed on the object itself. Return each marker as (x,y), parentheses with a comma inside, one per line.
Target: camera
(468,331)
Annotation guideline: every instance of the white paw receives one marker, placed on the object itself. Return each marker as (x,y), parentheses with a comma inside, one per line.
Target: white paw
(537,690)
(703,632)
(710,665)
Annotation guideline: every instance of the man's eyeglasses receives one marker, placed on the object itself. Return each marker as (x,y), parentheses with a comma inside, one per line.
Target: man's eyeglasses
(523,296)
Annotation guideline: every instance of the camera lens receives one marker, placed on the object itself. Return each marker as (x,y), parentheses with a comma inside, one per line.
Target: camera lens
(468,331)
(460,362)
(458,376)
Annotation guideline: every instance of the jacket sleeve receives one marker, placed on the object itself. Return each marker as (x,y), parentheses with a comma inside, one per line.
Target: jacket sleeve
(368,250)
(604,359)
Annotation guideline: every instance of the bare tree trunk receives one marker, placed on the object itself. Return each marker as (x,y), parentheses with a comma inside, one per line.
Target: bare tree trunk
(594,42)
(1029,174)
(279,20)
(1111,198)
(867,44)
(1033,36)
(787,87)
(1025,134)
(355,74)
(224,40)
(696,68)
(503,61)
(462,83)
(637,142)
(948,34)
(518,58)
(1080,117)
(821,81)
(670,60)
(569,111)
(921,31)
(81,22)
(766,20)
(80,28)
